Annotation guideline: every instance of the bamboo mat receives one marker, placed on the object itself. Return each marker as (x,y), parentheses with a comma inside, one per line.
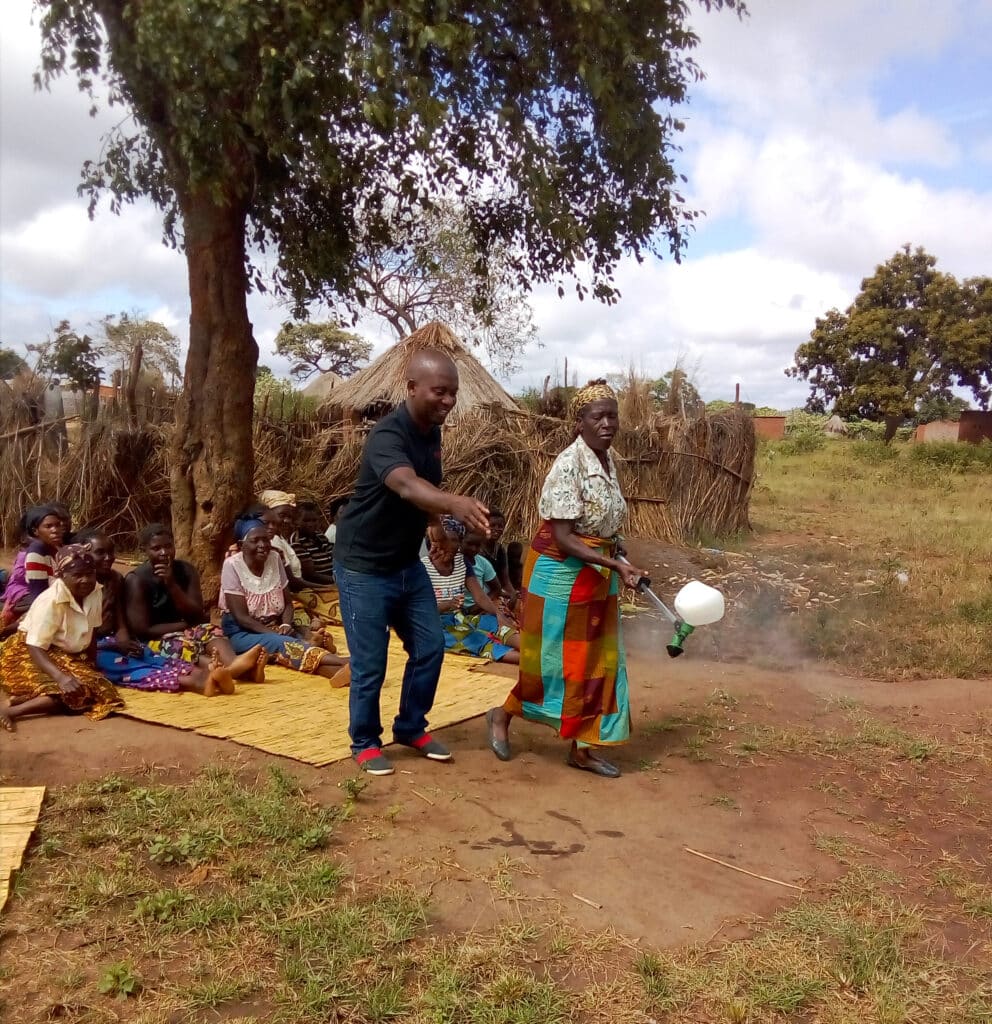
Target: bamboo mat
(303,717)
(19,809)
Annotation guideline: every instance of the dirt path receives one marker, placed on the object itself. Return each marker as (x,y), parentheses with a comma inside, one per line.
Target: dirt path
(487,837)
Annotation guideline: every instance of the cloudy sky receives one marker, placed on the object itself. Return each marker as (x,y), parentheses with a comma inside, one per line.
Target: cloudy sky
(824,136)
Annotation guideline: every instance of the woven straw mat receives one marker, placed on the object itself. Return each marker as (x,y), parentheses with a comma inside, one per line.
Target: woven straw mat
(19,809)
(303,717)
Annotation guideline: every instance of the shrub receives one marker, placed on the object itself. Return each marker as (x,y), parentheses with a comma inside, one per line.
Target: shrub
(953,455)
(874,452)
(803,433)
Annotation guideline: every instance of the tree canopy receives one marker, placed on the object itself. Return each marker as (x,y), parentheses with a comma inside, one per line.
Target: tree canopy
(321,348)
(11,363)
(912,335)
(437,274)
(70,356)
(151,343)
(288,133)
(675,393)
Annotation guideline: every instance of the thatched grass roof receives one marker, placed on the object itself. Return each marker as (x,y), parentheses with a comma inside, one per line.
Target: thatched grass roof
(322,385)
(383,382)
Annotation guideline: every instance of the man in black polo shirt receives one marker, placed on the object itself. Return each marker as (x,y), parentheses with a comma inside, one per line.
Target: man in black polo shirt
(381,581)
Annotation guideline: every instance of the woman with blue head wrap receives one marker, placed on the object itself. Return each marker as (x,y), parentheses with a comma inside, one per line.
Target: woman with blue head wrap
(258,607)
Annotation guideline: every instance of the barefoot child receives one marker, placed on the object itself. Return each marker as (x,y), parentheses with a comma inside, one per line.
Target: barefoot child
(47,665)
(128,663)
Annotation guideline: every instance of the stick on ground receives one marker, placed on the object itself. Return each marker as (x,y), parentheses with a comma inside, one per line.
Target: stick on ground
(743,871)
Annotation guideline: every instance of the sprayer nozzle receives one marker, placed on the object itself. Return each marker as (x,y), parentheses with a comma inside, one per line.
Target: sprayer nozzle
(681,633)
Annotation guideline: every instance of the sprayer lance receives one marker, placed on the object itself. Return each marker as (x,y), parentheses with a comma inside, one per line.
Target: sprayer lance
(682,629)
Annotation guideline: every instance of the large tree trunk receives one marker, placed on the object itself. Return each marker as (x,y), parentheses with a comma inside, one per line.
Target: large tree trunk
(892,424)
(212,463)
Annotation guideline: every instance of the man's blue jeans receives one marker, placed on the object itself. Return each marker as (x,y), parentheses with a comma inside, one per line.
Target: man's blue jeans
(370,605)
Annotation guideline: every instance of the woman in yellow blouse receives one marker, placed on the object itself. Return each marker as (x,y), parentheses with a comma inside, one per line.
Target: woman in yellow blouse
(47,666)
(573,675)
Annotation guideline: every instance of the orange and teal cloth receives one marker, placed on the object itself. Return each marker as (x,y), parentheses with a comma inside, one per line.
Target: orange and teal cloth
(573,673)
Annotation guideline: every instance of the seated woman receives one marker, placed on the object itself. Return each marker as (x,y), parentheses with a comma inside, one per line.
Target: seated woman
(123,660)
(486,634)
(47,665)
(44,530)
(258,608)
(314,597)
(163,608)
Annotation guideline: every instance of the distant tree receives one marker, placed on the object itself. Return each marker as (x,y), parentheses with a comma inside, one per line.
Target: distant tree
(321,348)
(439,275)
(11,363)
(264,125)
(674,392)
(912,333)
(932,408)
(135,343)
(71,357)
(718,405)
(159,347)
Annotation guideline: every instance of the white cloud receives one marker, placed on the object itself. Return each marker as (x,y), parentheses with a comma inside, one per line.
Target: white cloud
(799,157)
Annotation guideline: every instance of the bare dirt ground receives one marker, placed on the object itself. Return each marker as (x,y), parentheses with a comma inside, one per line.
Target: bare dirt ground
(792,772)
(562,834)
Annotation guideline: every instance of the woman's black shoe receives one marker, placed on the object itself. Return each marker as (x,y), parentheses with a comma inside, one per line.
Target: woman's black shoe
(595,765)
(501,748)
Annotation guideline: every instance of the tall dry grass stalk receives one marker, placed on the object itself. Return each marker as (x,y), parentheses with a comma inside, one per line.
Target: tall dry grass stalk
(682,476)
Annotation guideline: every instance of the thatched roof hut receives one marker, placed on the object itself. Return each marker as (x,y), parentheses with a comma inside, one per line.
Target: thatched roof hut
(322,385)
(381,386)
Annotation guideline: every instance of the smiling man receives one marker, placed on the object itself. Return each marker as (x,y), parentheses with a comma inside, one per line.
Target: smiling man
(381,580)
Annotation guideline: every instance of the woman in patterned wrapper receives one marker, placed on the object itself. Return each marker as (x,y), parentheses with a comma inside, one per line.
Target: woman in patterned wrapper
(258,609)
(573,673)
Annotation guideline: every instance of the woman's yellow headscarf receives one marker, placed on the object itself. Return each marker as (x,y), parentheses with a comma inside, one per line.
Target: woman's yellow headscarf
(594,391)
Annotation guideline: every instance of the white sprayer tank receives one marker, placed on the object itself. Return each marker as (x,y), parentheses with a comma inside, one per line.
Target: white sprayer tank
(696,604)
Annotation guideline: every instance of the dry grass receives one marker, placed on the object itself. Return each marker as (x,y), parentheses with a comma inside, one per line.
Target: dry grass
(858,524)
(682,477)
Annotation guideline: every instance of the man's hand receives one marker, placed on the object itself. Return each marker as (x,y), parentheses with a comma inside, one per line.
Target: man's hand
(471,512)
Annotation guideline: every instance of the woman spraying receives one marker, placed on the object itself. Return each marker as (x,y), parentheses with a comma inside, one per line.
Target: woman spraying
(258,608)
(47,666)
(573,674)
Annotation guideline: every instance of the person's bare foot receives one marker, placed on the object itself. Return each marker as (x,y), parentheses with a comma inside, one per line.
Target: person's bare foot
(222,680)
(259,674)
(6,722)
(341,678)
(325,640)
(245,663)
